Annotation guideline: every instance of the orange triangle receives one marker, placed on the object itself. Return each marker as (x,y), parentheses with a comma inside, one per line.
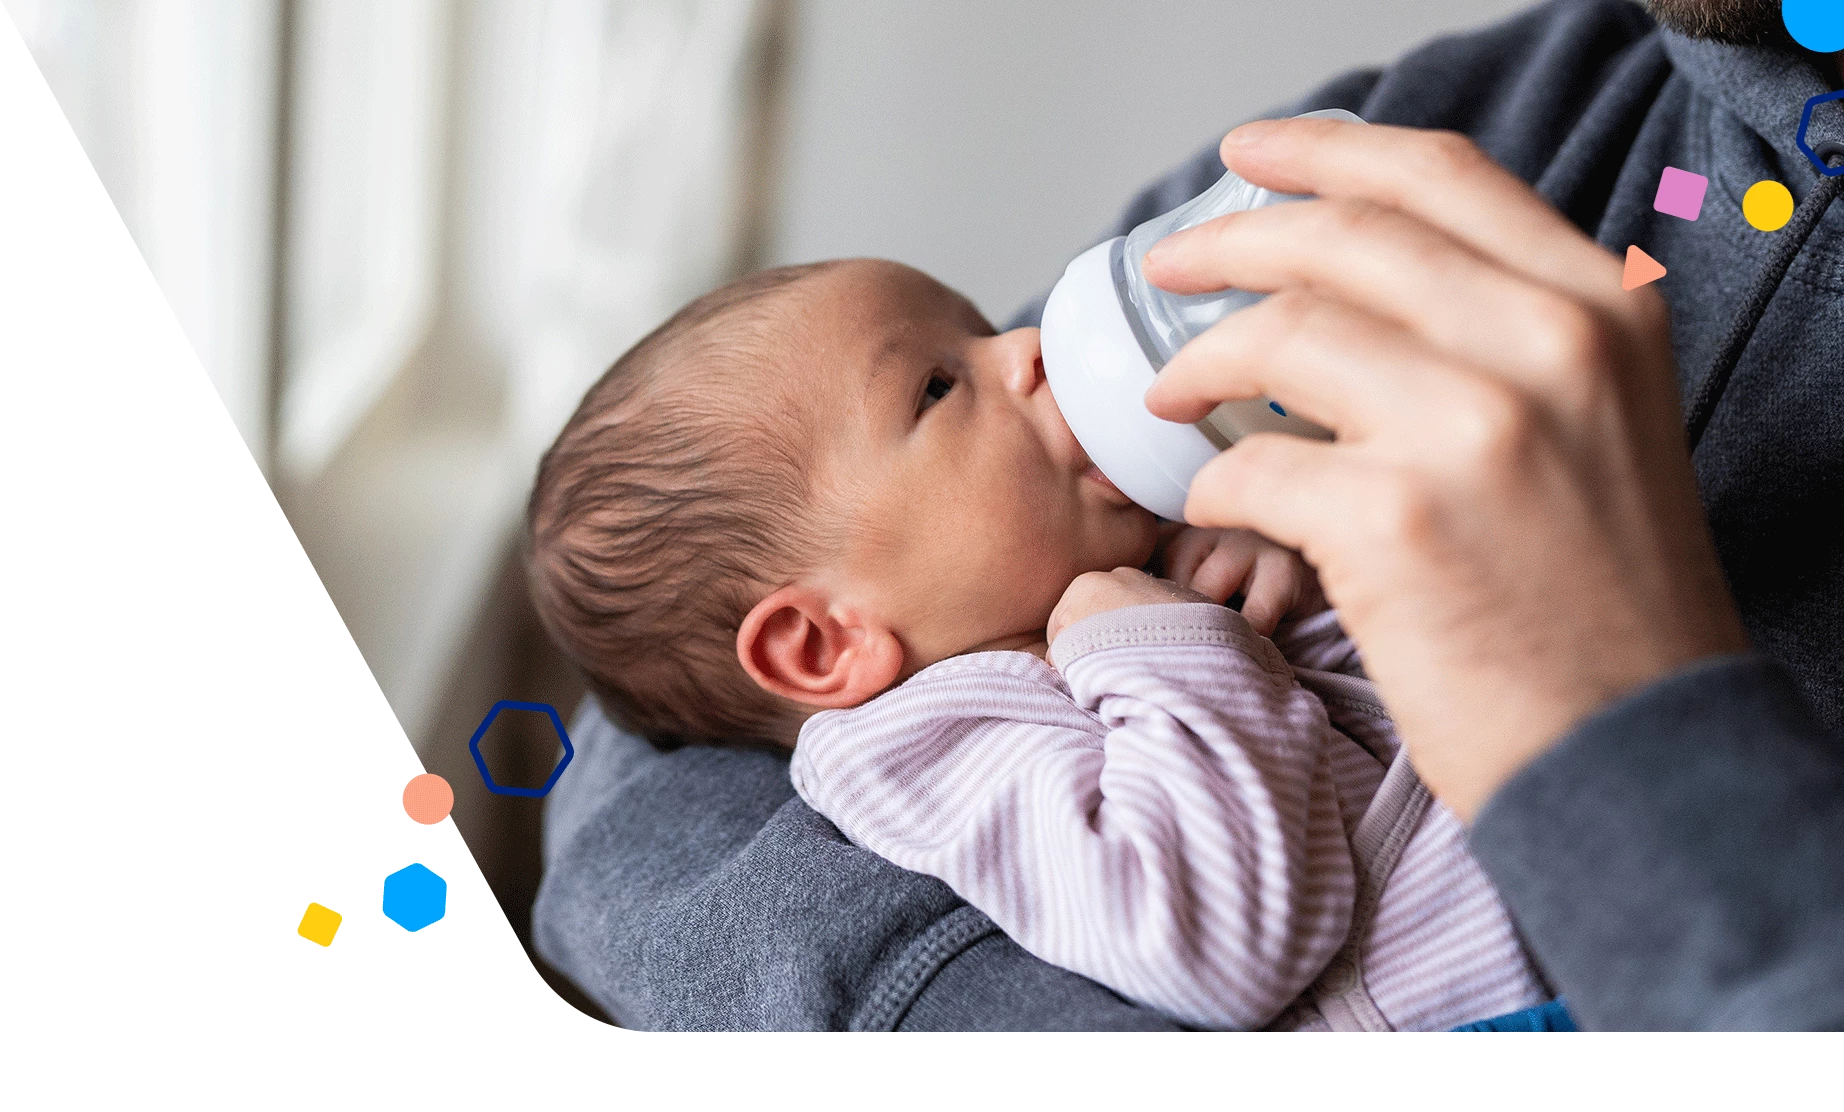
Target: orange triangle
(1641,268)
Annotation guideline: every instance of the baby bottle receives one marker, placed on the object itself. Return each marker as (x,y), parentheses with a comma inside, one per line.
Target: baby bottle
(1107,331)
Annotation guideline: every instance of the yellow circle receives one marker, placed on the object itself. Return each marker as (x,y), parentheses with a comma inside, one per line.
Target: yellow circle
(1767,205)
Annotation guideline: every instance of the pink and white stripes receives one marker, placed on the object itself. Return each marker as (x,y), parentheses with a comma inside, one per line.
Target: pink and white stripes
(1170,815)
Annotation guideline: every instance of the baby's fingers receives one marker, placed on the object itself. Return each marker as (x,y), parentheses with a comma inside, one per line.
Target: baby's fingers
(1185,552)
(1273,591)
(1222,572)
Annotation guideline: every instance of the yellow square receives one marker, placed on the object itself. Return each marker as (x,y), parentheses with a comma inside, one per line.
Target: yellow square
(319,924)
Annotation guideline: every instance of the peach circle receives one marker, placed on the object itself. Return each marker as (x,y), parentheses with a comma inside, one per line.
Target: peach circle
(428,798)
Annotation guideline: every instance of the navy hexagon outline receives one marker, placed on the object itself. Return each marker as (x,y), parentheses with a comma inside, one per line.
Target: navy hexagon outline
(480,762)
(1805,122)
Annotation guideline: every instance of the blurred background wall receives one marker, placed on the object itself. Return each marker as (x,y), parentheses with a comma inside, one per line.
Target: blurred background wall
(986,141)
(404,235)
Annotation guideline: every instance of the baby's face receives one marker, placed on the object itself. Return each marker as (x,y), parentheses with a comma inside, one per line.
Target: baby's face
(968,504)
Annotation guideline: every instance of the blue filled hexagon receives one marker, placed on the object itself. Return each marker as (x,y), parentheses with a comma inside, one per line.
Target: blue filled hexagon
(414,897)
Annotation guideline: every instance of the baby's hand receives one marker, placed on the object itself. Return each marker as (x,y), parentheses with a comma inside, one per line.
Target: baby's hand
(1217,563)
(1097,592)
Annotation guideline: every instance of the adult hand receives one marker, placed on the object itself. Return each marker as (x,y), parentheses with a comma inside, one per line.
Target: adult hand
(1507,521)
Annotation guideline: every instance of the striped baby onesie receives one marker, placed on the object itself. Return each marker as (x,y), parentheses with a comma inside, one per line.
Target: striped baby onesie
(1171,810)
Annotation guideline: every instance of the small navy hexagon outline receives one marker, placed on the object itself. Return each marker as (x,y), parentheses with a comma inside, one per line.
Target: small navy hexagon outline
(480,762)
(1805,122)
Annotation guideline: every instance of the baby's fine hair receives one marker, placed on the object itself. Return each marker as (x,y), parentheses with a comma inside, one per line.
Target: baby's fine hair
(666,508)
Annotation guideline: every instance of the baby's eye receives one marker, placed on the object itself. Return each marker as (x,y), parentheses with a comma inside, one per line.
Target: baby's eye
(938,386)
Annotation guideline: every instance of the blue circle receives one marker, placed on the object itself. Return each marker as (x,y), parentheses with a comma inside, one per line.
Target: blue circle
(1817,25)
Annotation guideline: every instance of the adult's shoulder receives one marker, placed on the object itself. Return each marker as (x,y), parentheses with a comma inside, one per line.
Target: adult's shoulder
(1520,87)
(694,890)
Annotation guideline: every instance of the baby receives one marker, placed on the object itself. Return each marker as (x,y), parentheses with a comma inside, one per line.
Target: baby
(829,507)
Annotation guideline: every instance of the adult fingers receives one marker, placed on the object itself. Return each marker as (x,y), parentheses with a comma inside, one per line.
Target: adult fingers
(1390,263)
(1438,176)
(1287,488)
(1298,348)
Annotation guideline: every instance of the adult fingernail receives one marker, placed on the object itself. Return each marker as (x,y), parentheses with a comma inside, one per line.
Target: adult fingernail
(1252,132)
(1154,392)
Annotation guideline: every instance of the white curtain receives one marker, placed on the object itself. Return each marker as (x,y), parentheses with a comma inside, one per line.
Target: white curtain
(174,102)
(362,250)
(610,170)
(449,202)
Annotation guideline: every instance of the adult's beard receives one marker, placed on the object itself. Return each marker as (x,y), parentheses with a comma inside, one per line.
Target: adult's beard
(1739,22)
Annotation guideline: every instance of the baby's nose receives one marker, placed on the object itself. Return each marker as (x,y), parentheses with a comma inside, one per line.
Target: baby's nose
(1024,360)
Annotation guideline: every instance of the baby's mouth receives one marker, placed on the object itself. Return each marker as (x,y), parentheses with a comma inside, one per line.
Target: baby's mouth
(1088,469)
(1094,474)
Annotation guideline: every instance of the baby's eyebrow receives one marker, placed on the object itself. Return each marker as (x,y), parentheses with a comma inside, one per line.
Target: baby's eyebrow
(888,355)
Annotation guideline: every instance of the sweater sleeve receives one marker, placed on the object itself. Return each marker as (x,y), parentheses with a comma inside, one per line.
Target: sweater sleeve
(1676,861)
(1166,824)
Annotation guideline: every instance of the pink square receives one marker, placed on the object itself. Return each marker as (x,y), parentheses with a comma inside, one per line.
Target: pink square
(1680,193)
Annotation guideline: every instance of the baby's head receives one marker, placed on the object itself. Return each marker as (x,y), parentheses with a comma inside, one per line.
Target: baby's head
(805,487)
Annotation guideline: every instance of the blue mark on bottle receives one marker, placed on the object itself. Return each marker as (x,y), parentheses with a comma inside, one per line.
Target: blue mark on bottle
(1276,407)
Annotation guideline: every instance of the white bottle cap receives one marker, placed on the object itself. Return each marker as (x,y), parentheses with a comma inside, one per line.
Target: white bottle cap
(1099,373)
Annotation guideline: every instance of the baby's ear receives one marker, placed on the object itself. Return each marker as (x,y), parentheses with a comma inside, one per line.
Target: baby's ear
(802,644)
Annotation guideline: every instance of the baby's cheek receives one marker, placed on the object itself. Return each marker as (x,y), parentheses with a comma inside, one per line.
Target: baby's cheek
(1138,536)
